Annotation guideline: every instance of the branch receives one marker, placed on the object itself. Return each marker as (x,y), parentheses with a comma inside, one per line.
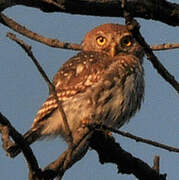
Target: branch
(64,45)
(56,168)
(110,152)
(32,35)
(136,138)
(162,10)
(107,149)
(7,130)
(60,165)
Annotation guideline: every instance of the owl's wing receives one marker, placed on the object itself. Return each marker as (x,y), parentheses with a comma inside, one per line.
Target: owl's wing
(75,76)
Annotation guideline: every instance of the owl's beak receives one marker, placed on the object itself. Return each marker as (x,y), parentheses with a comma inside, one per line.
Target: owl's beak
(113,50)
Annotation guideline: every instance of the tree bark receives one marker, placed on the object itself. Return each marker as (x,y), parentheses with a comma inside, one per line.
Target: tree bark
(159,10)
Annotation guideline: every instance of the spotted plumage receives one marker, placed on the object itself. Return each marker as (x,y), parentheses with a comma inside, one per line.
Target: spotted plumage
(102,83)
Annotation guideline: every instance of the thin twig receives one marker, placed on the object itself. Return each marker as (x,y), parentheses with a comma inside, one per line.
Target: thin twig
(137,138)
(60,6)
(52,89)
(164,46)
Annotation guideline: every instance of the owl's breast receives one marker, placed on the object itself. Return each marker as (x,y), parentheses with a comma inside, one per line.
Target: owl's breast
(112,93)
(119,94)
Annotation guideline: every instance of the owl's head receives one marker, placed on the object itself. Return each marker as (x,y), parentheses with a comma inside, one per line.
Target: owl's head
(111,39)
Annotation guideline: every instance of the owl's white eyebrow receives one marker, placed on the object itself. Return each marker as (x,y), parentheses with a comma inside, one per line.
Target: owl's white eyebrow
(100,33)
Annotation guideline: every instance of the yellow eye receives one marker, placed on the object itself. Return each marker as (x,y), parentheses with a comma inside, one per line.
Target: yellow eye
(126,41)
(101,40)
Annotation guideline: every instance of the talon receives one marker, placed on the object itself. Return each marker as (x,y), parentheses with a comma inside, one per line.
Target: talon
(109,133)
(84,122)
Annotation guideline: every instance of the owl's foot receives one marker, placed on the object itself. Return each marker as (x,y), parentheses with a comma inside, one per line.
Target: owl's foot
(85,122)
(109,133)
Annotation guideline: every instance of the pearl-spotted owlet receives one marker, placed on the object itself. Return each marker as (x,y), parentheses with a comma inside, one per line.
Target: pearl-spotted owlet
(102,83)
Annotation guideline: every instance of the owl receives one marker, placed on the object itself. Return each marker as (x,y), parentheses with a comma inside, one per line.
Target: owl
(102,83)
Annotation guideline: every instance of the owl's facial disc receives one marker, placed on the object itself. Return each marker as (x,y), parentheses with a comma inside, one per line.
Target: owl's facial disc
(111,39)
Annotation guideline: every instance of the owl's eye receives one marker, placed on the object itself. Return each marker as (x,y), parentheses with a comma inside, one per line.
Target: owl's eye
(126,41)
(101,40)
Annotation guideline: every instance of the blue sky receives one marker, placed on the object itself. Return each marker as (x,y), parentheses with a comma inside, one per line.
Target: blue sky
(23,91)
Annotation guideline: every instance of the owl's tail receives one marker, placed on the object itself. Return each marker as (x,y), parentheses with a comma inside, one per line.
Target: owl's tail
(30,137)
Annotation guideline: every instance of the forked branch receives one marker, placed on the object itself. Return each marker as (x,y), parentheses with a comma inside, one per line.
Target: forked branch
(7,131)
(110,152)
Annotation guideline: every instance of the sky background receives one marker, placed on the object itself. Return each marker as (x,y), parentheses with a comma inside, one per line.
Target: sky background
(23,91)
